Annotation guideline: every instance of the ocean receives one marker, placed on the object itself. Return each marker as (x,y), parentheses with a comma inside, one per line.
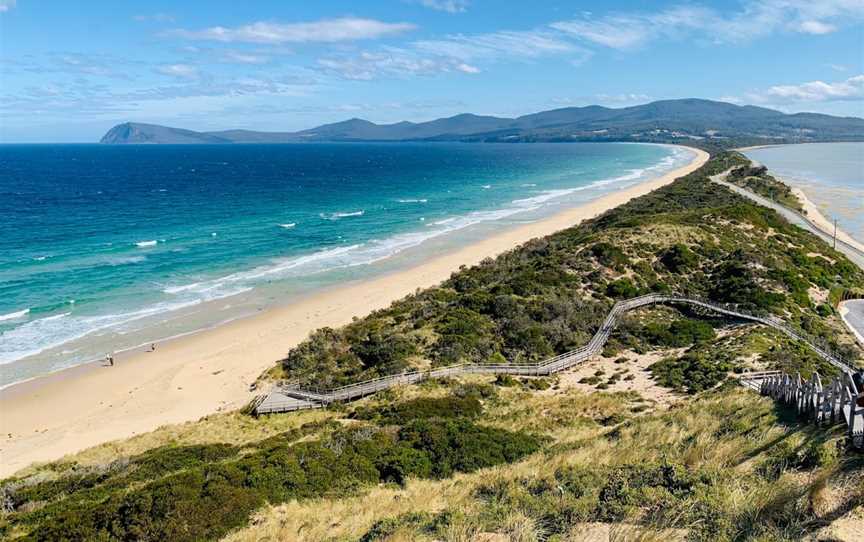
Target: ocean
(105,248)
(830,174)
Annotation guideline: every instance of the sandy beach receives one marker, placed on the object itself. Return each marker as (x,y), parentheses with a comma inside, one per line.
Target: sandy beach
(190,377)
(815,217)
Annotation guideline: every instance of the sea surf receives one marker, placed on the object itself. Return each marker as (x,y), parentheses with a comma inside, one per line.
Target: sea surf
(105,248)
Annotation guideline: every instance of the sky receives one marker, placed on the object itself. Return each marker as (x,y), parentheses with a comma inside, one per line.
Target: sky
(69,71)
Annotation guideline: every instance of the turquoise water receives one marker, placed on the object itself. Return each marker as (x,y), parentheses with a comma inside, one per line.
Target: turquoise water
(103,248)
(830,174)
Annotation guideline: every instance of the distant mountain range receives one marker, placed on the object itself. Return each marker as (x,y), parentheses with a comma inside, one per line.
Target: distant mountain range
(668,120)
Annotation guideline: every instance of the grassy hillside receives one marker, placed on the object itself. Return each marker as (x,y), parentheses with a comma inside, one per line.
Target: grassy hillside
(647,439)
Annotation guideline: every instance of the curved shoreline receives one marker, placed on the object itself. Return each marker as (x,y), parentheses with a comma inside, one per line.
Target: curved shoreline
(47,351)
(819,221)
(811,213)
(210,371)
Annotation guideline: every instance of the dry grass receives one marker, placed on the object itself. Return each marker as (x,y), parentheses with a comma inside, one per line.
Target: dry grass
(339,519)
(232,428)
(692,434)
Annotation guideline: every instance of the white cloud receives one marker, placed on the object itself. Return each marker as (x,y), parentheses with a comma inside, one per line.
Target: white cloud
(390,62)
(457,53)
(819,91)
(816,27)
(525,44)
(6,5)
(450,6)
(852,89)
(180,71)
(757,18)
(467,68)
(240,57)
(325,31)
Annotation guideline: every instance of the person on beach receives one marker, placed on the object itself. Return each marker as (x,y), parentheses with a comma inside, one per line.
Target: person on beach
(152,347)
(110,359)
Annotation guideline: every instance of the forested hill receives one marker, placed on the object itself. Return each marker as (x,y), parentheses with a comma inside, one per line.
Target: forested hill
(670,120)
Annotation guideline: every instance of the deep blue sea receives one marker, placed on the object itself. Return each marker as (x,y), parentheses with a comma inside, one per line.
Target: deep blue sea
(830,174)
(104,248)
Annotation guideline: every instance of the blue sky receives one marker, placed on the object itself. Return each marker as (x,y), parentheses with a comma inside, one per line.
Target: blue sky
(71,70)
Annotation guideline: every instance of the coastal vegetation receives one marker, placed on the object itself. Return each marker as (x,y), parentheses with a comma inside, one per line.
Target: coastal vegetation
(758,180)
(549,296)
(654,441)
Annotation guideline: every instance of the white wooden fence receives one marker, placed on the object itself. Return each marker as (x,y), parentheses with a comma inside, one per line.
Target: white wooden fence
(827,404)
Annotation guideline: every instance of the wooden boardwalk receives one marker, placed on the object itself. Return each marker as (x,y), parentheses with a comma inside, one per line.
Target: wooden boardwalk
(289,397)
(828,404)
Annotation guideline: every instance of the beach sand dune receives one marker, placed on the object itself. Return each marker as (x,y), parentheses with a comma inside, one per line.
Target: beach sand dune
(210,371)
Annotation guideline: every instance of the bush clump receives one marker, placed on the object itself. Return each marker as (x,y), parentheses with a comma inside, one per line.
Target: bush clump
(206,501)
(680,333)
(693,372)
(678,258)
(421,409)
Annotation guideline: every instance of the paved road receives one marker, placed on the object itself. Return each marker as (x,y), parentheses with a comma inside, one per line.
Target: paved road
(854,255)
(854,318)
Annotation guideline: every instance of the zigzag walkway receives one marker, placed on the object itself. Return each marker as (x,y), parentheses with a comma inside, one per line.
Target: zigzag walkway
(286,397)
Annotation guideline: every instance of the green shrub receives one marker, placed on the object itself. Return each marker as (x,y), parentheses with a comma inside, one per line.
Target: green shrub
(681,332)
(458,445)
(384,352)
(621,289)
(422,408)
(505,380)
(609,255)
(693,372)
(538,384)
(628,488)
(477,390)
(678,258)
(206,501)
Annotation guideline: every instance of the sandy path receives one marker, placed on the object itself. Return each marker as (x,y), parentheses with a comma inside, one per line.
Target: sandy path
(193,376)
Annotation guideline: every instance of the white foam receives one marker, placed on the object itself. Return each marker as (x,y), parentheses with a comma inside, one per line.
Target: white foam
(287,226)
(178,289)
(337,216)
(144,244)
(306,264)
(125,260)
(38,335)
(486,186)
(423,200)
(14,315)
(53,331)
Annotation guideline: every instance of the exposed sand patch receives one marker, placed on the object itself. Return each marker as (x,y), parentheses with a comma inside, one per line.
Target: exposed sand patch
(633,375)
(817,295)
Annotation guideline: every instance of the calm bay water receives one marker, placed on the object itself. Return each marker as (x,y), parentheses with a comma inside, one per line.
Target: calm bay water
(107,247)
(830,174)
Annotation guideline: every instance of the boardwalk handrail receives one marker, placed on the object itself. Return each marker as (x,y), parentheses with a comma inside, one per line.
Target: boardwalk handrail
(834,403)
(557,363)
